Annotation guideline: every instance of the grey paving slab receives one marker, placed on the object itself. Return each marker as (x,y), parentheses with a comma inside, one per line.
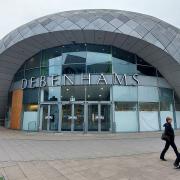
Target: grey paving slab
(41,156)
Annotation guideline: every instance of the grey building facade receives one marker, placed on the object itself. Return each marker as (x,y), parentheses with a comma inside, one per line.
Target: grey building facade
(90,70)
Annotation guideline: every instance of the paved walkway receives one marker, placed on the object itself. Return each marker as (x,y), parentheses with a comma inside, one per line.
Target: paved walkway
(44,156)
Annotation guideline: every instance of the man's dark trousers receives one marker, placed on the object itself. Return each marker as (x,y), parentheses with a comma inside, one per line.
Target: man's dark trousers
(173,145)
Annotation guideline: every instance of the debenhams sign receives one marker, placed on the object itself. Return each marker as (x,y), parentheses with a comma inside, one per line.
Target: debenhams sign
(82,79)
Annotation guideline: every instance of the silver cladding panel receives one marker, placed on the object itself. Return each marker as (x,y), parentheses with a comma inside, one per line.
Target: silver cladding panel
(152,39)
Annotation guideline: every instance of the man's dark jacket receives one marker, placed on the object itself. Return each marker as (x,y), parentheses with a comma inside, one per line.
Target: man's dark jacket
(169,131)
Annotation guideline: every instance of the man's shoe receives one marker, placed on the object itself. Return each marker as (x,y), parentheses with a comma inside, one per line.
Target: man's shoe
(176,164)
(163,159)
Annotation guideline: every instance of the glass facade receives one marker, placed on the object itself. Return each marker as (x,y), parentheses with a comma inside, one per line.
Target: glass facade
(98,107)
(84,58)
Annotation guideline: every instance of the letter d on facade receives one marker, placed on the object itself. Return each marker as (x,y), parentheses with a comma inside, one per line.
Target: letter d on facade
(24,83)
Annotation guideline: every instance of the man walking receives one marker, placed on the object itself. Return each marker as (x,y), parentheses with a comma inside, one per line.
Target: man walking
(170,136)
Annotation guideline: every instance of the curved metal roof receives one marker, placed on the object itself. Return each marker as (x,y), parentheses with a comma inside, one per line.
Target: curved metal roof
(152,39)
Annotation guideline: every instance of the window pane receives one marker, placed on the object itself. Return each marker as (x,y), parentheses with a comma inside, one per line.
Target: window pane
(30,117)
(51,93)
(148,116)
(165,94)
(124,93)
(34,61)
(166,106)
(19,76)
(124,67)
(99,68)
(177,102)
(125,106)
(52,57)
(149,106)
(74,48)
(146,70)
(123,55)
(98,93)
(32,73)
(51,70)
(74,69)
(148,94)
(74,57)
(75,93)
(96,58)
(99,48)
(140,61)
(30,96)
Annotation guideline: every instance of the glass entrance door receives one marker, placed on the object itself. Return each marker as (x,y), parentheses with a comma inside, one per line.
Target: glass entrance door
(66,117)
(50,117)
(93,117)
(73,117)
(105,117)
(79,117)
(98,117)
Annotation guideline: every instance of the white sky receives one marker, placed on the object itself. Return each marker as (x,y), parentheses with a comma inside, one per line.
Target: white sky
(14,13)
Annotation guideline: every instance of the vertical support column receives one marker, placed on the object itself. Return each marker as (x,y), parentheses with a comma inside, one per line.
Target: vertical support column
(99,117)
(48,120)
(112,121)
(41,95)
(40,117)
(137,110)
(72,117)
(60,117)
(85,117)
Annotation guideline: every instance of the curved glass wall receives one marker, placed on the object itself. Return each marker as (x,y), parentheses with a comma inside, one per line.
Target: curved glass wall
(118,108)
(84,58)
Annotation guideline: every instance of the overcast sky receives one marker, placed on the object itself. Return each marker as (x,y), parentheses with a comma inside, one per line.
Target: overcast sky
(14,13)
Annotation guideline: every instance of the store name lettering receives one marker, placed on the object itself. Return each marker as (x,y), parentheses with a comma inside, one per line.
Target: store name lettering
(85,79)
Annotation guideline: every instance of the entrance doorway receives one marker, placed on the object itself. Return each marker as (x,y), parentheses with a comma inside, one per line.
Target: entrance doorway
(50,117)
(76,116)
(72,117)
(98,117)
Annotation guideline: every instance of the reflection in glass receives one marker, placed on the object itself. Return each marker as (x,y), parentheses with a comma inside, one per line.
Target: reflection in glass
(124,67)
(125,93)
(54,117)
(99,63)
(123,55)
(51,57)
(92,117)
(148,106)
(98,93)
(32,73)
(105,117)
(44,118)
(74,69)
(19,75)
(33,62)
(146,70)
(51,70)
(79,114)
(166,105)
(125,106)
(148,94)
(51,93)
(66,114)
(31,96)
(30,117)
